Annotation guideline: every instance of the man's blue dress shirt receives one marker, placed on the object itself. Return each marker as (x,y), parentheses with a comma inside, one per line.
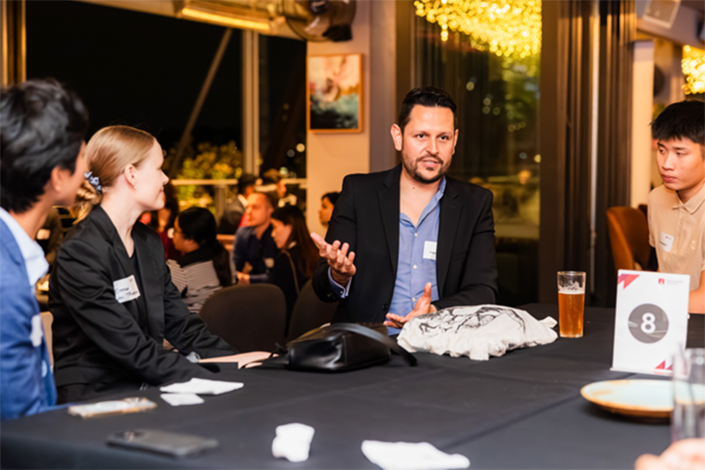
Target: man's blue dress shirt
(417,259)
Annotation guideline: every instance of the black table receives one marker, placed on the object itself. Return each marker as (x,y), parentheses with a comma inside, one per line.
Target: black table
(522,410)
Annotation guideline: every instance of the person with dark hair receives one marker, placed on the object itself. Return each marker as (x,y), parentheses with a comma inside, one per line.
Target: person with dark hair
(410,240)
(232,216)
(298,255)
(111,292)
(273,183)
(42,142)
(205,266)
(163,221)
(328,201)
(254,249)
(677,208)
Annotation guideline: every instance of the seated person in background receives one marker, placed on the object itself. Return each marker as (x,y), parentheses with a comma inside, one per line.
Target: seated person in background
(688,454)
(111,293)
(677,209)
(417,239)
(42,146)
(273,181)
(230,220)
(327,204)
(205,266)
(298,255)
(163,221)
(254,249)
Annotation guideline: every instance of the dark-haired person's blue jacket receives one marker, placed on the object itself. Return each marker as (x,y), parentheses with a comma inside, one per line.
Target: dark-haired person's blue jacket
(26,380)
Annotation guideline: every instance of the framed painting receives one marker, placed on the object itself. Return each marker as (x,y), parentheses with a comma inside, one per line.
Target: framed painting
(334,93)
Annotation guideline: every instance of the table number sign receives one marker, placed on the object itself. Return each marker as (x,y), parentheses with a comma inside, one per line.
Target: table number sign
(651,321)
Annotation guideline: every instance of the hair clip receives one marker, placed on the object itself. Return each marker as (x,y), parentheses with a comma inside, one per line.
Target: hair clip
(93,180)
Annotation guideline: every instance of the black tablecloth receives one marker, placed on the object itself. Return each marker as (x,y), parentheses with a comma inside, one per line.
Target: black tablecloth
(522,410)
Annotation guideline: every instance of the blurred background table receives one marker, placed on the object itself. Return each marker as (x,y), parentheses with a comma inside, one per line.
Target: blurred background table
(522,410)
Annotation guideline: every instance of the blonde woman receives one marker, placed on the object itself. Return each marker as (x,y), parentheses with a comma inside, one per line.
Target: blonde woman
(111,293)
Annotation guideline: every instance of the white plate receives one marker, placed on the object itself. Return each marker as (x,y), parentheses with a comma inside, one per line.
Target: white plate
(645,398)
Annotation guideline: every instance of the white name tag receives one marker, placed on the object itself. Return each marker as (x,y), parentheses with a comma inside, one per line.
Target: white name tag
(429,250)
(666,241)
(126,289)
(37,331)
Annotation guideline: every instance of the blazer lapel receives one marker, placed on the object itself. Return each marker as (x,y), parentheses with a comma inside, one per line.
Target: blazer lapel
(451,208)
(149,276)
(155,317)
(389,208)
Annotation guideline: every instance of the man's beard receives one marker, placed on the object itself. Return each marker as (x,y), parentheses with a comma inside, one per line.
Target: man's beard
(417,176)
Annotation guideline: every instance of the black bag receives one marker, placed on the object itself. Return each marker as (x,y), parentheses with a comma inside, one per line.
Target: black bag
(339,347)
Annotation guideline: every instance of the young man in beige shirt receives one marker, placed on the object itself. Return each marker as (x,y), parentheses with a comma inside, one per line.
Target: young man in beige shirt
(677,209)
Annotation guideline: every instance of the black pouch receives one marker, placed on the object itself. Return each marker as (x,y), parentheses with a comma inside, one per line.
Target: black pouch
(339,347)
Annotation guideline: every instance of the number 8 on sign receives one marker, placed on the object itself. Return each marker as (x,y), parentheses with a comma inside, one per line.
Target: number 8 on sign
(648,323)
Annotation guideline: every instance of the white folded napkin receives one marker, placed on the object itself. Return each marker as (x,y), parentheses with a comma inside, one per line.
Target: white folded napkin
(203,387)
(293,442)
(411,456)
(178,399)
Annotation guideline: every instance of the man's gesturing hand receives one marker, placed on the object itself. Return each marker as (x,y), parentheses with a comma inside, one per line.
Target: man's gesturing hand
(422,307)
(339,260)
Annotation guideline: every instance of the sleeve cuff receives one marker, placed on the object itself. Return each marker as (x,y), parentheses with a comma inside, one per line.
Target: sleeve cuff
(340,291)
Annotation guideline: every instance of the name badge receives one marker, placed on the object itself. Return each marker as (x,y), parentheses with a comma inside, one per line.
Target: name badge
(429,250)
(37,332)
(126,289)
(666,241)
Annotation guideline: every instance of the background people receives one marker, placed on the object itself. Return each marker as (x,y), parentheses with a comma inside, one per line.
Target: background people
(679,235)
(163,221)
(327,204)
(205,266)
(234,211)
(398,231)
(254,249)
(42,145)
(298,255)
(111,293)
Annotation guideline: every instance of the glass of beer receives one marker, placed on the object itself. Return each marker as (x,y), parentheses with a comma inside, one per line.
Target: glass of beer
(571,303)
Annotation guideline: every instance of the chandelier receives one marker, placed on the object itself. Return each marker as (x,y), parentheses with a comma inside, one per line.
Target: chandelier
(693,65)
(509,28)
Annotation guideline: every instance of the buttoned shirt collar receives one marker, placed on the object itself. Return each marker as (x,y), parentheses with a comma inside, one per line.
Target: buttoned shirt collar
(693,203)
(35,263)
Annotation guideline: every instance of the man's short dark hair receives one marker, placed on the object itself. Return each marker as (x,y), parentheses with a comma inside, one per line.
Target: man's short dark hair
(43,127)
(428,96)
(685,119)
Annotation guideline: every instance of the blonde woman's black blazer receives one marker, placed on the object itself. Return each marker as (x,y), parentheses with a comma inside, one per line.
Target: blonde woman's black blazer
(100,340)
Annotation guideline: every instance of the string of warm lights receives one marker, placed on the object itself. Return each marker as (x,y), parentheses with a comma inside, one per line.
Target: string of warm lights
(693,65)
(509,28)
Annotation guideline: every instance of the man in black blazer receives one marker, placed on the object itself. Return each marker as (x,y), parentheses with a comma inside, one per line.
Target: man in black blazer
(375,213)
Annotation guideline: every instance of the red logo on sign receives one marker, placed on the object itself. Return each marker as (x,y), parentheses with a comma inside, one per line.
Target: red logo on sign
(627,278)
(661,280)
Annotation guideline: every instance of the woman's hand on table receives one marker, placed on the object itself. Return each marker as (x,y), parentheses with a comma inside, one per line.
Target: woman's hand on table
(422,307)
(688,454)
(244,360)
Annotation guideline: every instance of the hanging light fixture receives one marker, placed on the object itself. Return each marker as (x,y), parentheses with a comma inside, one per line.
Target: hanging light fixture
(693,65)
(507,28)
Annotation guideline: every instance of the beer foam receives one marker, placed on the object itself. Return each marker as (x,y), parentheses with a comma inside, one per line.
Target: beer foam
(571,290)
